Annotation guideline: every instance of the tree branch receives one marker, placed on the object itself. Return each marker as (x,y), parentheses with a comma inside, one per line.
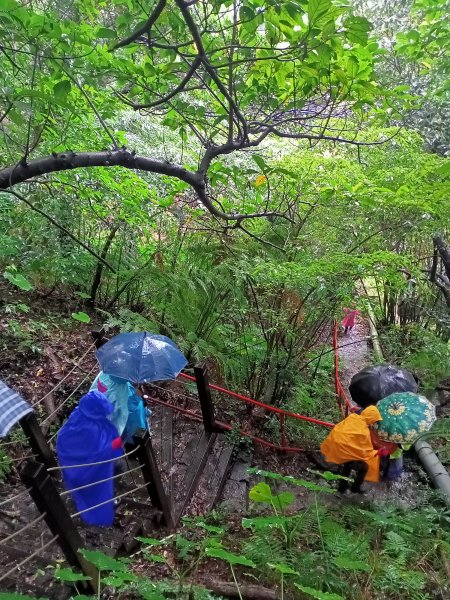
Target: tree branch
(146,27)
(180,87)
(65,161)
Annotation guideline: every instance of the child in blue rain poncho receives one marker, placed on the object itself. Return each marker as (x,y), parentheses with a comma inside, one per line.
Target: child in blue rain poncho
(88,436)
(129,412)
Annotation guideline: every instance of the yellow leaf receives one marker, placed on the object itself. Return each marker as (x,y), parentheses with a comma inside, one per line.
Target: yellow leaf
(260,180)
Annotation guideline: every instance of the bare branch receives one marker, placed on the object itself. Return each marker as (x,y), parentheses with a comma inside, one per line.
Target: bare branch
(180,87)
(145,28)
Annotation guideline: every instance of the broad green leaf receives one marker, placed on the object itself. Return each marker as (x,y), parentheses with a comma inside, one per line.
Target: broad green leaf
(282,568)
(18,280)
(260,162)
(68,574)
(318,594)
(229,557)
(317,9)
(102,561)
(62,89)
(81,316)
(104,32)
(261,492)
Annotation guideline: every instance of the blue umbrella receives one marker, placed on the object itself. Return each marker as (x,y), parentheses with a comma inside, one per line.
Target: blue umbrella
(140,357)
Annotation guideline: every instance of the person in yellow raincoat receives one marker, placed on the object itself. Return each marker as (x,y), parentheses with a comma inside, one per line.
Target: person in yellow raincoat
(350,444)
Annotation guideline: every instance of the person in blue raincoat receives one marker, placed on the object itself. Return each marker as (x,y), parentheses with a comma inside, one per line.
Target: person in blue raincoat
(88,436)
(129,413)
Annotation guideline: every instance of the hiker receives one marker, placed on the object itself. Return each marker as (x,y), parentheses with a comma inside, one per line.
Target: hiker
(88,436)
(350,444)
(348,321)
(129,412)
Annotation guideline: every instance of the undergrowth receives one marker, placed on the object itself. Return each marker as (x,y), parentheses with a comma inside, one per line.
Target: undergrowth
(328,551)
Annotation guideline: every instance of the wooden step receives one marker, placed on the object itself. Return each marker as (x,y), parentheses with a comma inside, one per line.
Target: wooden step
(234,498)
(213,478)
(195,468)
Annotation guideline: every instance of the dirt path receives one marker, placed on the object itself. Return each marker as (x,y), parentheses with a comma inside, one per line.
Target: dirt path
(354,352)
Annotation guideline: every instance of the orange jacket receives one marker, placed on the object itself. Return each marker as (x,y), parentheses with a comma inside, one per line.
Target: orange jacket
(350,440)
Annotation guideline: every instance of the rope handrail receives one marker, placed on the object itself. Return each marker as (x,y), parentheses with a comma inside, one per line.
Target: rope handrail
(93,464)
(16,460)
(24,528)
(19,495)
(88,485)
(85,510)
(55,387)
(72,393)
(25,560)
(268,407)
(173,392)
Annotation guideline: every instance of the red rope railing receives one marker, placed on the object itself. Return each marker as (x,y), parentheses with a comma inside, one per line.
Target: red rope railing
(267,407)
(344,404)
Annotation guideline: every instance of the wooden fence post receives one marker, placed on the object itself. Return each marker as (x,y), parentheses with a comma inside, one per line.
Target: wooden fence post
(99,337)
(58,519)
(38,443)
(152,476)
(206,403)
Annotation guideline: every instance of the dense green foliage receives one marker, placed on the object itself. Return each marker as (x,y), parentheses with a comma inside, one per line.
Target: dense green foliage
(328,551)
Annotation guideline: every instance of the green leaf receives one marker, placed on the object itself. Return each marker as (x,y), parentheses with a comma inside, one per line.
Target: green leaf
(81,316)
(261,492)
(102,561)
(284,499)
(62,89)
(444,170)
(265,522)
(348,563)
(229,557)
(282,568)
(357,29)
(68,574)
(317,9)
(105,33)
(155,558)
(260,162)
(318,594)
(18,280)
(150,541)
(117,580)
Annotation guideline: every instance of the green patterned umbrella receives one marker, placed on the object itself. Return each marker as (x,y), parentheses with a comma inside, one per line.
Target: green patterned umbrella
(405,417)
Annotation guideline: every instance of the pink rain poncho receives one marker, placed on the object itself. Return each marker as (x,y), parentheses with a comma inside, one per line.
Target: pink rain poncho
(350,316)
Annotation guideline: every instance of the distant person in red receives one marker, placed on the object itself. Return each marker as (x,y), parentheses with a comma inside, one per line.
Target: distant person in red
(348,321)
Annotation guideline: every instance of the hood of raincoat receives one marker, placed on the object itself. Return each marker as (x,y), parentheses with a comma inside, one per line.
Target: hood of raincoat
(87,434)
(95,405)
(371,415)
(118,392)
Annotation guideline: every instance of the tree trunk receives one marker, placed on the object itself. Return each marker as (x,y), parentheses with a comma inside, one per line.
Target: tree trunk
(100,266)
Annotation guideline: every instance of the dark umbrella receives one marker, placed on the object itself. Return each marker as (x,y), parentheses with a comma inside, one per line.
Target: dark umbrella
(140,357)
(376,382)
